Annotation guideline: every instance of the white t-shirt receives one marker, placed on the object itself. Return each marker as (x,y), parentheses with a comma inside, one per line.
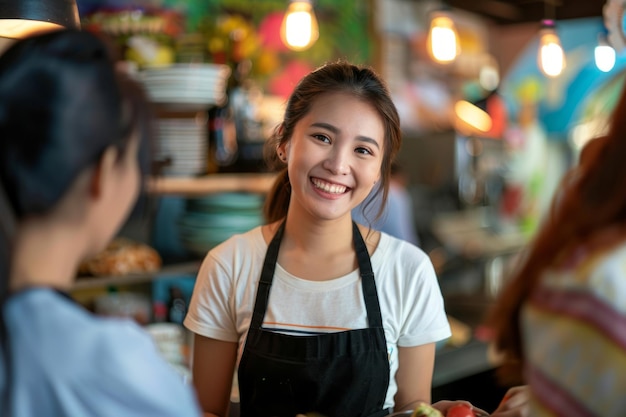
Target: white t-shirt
(410,300)
(67,362)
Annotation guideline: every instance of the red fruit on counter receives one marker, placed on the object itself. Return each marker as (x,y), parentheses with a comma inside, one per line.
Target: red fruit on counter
(460,410)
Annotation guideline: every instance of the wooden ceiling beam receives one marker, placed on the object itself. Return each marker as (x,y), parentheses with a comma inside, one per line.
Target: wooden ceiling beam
(505,12)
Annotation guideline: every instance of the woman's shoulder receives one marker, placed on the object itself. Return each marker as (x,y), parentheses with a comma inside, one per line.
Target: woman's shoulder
(606,273)
(390,245)
(108,363)
(596,271)
(402,259)
(67,336)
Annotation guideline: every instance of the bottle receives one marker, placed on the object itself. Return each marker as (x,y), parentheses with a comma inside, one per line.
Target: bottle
(222,140)
(177,306)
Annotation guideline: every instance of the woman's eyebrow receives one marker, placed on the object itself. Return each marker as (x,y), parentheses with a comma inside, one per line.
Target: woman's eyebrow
(336,130)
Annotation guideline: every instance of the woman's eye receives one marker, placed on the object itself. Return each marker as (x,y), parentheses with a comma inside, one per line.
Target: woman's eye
(363,151)
(322,138)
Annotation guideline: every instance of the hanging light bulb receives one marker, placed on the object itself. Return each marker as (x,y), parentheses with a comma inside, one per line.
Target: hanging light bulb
(604,55)
(551,58)
(443,40)
(299,29)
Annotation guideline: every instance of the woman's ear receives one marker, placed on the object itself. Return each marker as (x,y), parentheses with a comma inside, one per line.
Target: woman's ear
(281,151)
(102,172)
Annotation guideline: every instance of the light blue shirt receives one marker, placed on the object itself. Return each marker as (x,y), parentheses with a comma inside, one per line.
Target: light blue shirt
(68,362)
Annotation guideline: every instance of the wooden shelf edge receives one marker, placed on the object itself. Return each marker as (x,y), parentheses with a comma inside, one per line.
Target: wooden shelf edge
(214,183)
(190,268)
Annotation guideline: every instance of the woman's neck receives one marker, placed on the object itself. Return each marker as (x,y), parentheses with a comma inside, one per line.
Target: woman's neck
(318,236)
(45,254)
(318,250)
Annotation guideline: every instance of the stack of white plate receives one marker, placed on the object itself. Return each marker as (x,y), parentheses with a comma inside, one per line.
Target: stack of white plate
(187,84)
(184,143)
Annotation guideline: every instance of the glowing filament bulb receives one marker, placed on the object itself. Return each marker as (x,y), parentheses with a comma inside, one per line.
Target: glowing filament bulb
(443,44)
(299,29)
(551,56)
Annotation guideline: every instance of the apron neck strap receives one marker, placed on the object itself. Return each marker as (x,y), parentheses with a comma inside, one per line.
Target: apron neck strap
(368,284)
(267,276)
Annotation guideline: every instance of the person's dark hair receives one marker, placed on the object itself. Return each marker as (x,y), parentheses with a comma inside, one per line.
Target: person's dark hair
(359,81)
(62,103)
(591,199)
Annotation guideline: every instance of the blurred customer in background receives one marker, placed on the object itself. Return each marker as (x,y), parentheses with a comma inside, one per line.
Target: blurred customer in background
(560,323)
(70,133)
(397,216)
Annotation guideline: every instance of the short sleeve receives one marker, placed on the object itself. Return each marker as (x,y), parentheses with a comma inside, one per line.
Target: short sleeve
(211,311)
(426,317)
(411,294)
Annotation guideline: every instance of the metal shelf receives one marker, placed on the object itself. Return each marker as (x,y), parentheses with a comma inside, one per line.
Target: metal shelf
(213,183)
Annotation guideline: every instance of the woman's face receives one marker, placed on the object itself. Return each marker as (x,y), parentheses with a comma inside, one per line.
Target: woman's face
(334,156)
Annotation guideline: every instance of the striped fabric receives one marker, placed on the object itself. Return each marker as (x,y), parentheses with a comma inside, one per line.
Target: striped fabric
(575,338)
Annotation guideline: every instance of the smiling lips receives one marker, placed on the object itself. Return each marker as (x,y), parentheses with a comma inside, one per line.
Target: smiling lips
(328,187)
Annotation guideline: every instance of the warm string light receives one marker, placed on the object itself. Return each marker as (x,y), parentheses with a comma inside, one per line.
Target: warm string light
(443,39)
(299,29)
(551,58)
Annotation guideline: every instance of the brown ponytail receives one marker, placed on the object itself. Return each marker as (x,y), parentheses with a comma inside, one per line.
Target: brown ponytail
(277,201)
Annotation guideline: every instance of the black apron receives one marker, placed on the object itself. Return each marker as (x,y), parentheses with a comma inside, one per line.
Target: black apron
(340,374)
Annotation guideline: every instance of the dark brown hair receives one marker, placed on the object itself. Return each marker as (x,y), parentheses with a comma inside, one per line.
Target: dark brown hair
(340,76)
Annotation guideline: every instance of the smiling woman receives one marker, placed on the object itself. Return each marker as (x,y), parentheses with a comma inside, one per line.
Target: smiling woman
(317,313)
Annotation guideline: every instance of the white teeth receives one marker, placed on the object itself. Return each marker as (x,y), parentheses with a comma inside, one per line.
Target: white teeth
(329,188)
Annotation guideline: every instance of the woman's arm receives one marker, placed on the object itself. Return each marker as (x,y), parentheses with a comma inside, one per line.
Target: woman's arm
(414,376)
(213,368)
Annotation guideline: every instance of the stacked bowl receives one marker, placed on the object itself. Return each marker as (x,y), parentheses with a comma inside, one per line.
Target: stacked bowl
(210,220)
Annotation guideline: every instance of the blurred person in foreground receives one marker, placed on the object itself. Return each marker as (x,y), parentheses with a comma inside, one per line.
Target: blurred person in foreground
(561,321)
(71,129)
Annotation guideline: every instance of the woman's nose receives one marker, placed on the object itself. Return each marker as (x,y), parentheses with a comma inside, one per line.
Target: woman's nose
(337,162)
